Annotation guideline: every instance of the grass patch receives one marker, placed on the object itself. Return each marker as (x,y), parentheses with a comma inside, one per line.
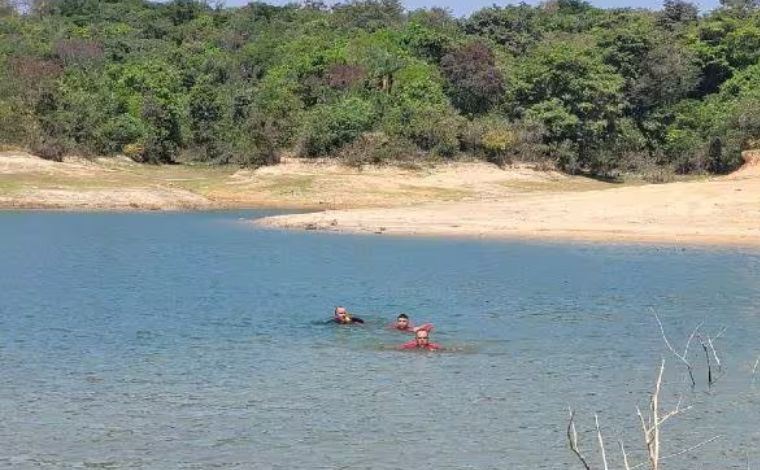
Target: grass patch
(563,185)
(9,185)
(295,185)
(432,192)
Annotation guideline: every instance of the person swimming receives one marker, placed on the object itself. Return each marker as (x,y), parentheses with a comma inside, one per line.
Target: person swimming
(342,316)
(421,341)
(402,323)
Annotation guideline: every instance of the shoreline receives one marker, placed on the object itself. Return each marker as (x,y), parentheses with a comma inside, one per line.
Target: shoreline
(470,200)
(575,237)
(42,207)
(719,211)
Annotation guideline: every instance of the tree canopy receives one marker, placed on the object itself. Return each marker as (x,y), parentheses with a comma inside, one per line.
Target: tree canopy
(591,90)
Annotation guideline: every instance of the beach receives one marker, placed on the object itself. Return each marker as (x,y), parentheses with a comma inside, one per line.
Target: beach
(462,199)
(721,210)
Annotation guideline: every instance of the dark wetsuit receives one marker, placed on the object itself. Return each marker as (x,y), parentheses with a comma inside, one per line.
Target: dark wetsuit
(353,320)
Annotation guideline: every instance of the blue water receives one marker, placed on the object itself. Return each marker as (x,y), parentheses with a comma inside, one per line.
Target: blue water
(197,341)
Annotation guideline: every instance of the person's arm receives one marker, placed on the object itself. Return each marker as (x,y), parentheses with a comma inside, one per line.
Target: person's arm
(409,345)
(424,327)
(356,320)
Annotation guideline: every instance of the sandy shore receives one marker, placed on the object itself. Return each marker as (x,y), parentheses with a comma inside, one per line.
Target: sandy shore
(458,199)
(28,182)
(721,210)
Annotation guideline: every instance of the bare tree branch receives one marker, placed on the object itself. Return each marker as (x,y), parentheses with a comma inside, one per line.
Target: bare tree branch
(696,446)
(601,441)
(572,437)
(709,366)
(709,348)
(651,424)
(625,456)
(681,357)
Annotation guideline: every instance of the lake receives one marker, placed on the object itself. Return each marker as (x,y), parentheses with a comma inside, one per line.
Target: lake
(197,340)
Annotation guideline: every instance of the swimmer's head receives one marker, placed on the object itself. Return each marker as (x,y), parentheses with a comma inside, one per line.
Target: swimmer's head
(402,322)
(341,315)
(422,338)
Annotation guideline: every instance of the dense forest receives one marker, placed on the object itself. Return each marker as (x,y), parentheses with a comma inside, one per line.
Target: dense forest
(589,90)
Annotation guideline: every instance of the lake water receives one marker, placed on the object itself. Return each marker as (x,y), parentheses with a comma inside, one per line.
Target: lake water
(197,341)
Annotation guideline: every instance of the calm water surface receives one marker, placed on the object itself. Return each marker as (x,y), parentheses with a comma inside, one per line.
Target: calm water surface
(194,341)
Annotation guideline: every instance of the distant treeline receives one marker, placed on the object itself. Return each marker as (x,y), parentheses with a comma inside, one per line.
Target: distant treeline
(590,90)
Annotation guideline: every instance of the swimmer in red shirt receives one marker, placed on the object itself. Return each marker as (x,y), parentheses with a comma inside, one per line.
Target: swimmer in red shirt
(421,341)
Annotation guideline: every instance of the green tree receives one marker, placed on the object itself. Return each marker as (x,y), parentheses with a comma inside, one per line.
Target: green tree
(329,127)
(474,83)
(574,94)
(206,114)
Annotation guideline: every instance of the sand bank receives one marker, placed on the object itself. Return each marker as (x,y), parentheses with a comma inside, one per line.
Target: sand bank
(720,210)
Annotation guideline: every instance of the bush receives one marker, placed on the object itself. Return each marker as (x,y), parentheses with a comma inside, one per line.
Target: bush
(529,143)
(683,148)
(497,143)
(432,129)
(471,136)
(377,148)
(252,143)
(134,151)
(163,136)
(117,133)
(330,127)
(436,131)
(49,149)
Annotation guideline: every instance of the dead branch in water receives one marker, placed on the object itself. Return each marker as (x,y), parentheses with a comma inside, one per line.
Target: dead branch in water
(650,426)
(625,456)
(709,349)
(601,441)
(681,357)
(572,437)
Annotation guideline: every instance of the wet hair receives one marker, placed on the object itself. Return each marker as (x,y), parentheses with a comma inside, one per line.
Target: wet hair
(403,315)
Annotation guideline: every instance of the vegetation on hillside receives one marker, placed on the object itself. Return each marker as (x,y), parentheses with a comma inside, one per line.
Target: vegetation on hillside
(590,90)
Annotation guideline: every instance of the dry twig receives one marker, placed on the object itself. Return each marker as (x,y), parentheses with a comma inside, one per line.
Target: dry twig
(651,425)
(625,456)
(572,437)
(601,441)
(681,357)
(709,348)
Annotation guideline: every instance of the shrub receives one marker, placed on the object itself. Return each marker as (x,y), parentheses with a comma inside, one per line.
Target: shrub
(163,136)
(432,129)
(329,127)
(117,133)
(49,149)
(471,136)
(497,143)
(134,151)
(377,148)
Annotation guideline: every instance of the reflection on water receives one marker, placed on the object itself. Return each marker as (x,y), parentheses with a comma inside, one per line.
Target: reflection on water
(198,341)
